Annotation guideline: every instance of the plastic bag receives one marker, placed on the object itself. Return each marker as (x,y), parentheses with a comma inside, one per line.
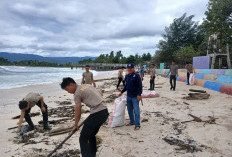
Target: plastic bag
(118,116)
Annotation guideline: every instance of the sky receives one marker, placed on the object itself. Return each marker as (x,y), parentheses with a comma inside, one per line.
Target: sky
(80,28)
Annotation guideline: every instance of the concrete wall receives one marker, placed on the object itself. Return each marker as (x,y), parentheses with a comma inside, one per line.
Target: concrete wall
(215,79)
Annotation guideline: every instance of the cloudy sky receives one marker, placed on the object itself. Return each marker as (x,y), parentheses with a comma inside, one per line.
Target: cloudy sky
(89,27)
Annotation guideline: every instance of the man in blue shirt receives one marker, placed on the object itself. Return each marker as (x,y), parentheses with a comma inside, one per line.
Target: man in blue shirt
(134,91)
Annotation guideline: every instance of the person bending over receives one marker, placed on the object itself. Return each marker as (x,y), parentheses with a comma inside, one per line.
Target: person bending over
(25,106)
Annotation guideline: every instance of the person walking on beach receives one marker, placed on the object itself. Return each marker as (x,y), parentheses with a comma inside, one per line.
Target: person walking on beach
(134,91)
(25,106)
(87,77)
(121,77)
(190,69)
(90,96)
(174,73)
(152,77)
(142,73)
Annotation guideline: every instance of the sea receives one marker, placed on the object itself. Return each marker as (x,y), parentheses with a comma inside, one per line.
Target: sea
(19,76)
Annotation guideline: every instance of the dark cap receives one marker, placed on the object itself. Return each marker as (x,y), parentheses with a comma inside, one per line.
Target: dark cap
(130,65)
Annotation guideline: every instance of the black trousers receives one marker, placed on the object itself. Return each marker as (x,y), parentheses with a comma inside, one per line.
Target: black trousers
(173,79)
(152,83)
(188,75)
(91,127)
(28,118)
(120,80)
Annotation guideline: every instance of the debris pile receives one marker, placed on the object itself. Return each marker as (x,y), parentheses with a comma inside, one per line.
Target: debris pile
(68,153)
(188,145)
(197,95)
(64,111)
(31,115)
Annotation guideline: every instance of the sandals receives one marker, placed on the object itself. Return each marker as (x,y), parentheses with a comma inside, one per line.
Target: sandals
(129,124)
(137,128)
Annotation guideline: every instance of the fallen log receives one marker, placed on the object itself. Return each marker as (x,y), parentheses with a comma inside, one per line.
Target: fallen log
(60,129)
(61,132)
(199,91)
(31,115)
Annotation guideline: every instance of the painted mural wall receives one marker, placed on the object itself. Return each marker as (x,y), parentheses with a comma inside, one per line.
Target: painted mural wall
(215,79)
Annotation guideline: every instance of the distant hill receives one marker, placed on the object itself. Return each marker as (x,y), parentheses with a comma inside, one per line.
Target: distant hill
(61,60)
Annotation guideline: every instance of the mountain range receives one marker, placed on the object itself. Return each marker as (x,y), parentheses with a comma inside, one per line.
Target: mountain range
(12,57)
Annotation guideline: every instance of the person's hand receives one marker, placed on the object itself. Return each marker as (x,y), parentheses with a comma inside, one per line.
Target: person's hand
(19,129)
(75,127)
(120,94)
(43,109)
(138,98)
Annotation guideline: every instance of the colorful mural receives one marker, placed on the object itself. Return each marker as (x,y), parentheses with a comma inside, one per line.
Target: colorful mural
(215,79)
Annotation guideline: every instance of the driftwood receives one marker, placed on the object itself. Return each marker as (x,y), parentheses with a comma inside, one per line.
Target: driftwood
(56,121)
(15,127)
(186,103)
(197,96)
(60,131)
(188,145)
(31,115)
(212,120)
(113,78)
(199,91)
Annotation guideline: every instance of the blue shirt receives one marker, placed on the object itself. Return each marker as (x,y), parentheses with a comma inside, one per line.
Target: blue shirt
(133,85)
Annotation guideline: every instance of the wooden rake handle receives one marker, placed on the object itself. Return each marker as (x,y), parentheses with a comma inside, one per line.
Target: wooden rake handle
(60,145)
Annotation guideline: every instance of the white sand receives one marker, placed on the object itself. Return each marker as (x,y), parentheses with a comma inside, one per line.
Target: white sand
(124,141)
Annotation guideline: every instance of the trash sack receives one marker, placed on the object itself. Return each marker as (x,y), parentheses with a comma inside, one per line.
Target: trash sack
(149,94)
(192,79)
(118,116)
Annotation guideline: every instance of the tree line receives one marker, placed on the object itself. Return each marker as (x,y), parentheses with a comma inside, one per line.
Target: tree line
(117,57)
(4,61)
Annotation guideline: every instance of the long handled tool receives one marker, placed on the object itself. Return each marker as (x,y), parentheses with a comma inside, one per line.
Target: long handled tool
(73,132)
(142,101)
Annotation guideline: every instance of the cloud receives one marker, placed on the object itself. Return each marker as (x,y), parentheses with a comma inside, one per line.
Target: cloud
(89,28)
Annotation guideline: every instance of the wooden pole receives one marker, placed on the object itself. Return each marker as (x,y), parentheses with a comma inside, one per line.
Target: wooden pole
(60,145)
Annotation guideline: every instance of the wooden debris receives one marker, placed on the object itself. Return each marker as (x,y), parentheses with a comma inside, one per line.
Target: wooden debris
(68,153)
(212,120)
(144,120)
(197,96)
(188,145)
(65,103)
(199,91)
(113,78)
(99,140)
(61,130)
(31,115)
(186,103)
(56,121)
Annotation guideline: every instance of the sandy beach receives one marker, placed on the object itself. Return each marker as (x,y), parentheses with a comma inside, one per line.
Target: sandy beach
(162,116)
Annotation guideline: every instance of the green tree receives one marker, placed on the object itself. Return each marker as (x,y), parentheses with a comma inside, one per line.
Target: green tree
(181,33)
(130,59)
(219,20)
(185,54)
(4,61)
